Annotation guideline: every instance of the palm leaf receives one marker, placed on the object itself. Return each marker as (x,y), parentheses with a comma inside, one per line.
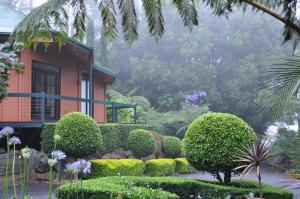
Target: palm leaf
(280,88)
(129,20)
(155,18)
(108,14)
(187,11)
(79,23)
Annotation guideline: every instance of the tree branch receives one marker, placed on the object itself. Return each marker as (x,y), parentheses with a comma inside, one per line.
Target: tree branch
(269,11)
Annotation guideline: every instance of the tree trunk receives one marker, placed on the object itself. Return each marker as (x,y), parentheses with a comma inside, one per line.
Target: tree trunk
(219,177)
(227,177)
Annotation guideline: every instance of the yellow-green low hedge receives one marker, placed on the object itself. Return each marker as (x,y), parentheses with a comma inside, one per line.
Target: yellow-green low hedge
(115,167)
(183,166)
(160,167)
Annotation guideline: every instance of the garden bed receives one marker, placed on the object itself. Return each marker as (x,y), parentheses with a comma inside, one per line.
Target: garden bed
(168,187)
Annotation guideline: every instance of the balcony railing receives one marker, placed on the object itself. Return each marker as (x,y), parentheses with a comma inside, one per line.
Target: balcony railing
(35,109)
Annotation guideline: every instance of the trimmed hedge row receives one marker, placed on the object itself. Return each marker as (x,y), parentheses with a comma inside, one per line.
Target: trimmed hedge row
(160,167)
(173,187)
(114,136)
(98,188)
(183,166)
(119,167)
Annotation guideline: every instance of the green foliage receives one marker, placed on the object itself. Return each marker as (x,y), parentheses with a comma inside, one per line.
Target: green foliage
(114,136)
(173,122)
(172,147)
(47,136)
(117,167)
(104,188)
(141,142)
(183,166)
(80,134)
(9,60)
(184,188)
(160,167)
(214,136)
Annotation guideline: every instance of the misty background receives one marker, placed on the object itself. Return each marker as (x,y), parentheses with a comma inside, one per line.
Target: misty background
(225,58)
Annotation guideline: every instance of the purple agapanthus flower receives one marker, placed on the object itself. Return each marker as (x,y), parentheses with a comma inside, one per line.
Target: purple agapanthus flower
(72,168)
(6,131)
(14,140)
(194,98)
(58,155)
(84,166)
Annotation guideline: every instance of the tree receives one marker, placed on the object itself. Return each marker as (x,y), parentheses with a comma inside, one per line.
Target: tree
(40,17)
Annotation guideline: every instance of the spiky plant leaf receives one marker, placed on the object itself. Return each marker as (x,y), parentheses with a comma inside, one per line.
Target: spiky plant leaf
(108,14)
(79,23)
(129,20)
(155,18)
(281,86)
(187,11)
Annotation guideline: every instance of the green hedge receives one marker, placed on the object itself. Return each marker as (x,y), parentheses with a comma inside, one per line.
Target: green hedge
(114,136)
(47,144)
(160,167)
(115,167)
(141,142)
(172,147)
(183,166)
(182,187)
(98,188)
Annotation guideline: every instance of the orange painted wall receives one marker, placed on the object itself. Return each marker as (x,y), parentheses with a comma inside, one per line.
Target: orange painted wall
(71,69)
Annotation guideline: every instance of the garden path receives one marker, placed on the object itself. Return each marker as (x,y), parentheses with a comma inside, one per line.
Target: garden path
(269,176)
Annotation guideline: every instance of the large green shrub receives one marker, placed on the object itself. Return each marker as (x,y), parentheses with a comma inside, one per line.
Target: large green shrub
(182,187)
(114,136)
(47,136)
(141,142)
(172,147)
(183,166)
(115,167)
(80,134)
(213,141)
(160,167)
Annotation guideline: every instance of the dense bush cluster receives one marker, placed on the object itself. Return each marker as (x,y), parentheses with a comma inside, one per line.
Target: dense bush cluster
(114,136)
(80,134)
(173,187)
(141,143)
(212,142)
(116,167)
(172,147)
(160,167)
(183,166)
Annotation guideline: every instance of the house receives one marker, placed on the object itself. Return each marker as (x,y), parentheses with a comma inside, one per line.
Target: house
(54,82)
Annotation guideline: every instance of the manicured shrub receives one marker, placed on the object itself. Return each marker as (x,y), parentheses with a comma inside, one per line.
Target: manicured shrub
(183,166)
(47,136)
(100,188)
(80,134)
(213,141)
(182,187)
(109,137)
(141,143)
(159,139)
(116,167)
(160,167)
(172,147)
(114,136)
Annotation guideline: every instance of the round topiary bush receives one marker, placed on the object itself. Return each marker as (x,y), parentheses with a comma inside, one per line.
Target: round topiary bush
(172,147)
(141,143)
(80,134)
(213,141)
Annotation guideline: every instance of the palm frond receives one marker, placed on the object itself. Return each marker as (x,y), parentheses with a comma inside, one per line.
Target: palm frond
(187,11)
(281,86)
(155,18)
(108,14)
(79,23)
(129,20)
(40,19)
